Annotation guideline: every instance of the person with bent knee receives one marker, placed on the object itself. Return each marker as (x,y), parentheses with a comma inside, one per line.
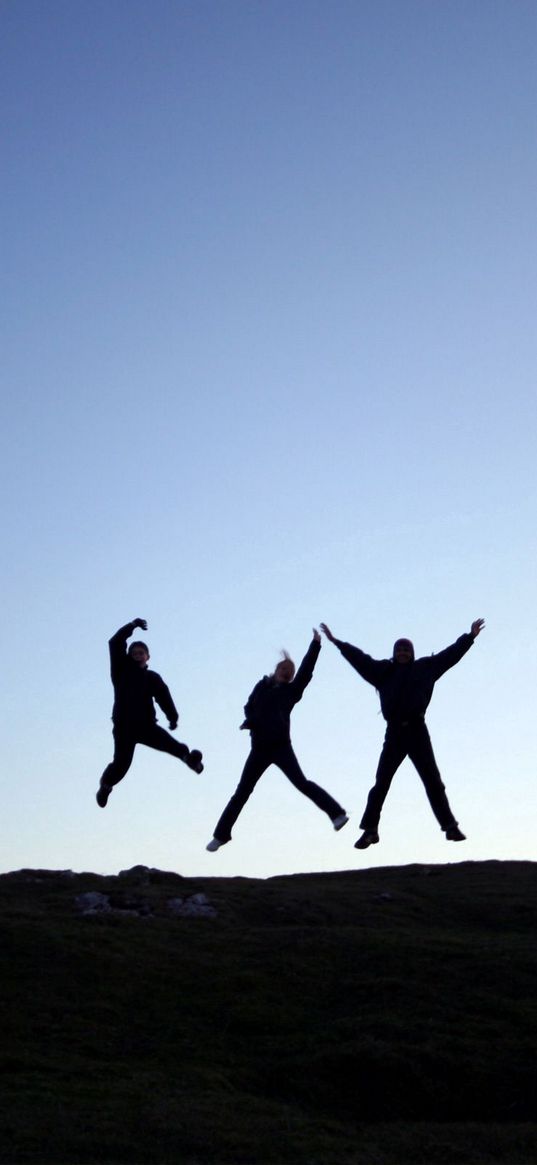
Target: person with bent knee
(267,718)
(136,688)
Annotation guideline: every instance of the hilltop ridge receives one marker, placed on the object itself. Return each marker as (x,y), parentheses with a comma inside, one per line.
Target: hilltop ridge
(370,1017)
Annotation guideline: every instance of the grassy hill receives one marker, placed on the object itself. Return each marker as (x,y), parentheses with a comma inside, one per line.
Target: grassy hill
(377,1017)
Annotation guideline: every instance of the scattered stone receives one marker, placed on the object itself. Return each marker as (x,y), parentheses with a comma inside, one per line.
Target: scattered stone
(197,906)
(93,902)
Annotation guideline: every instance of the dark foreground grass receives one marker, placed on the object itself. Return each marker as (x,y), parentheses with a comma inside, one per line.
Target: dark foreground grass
(384,1017)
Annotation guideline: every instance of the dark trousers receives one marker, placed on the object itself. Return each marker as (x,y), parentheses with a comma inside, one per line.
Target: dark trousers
(259,759)
(412,740)
(125,742)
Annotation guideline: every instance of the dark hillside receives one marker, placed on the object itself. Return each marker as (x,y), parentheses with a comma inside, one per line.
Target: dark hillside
(379,1017)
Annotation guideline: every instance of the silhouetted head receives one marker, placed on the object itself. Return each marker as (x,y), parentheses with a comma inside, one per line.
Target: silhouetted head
(285,670)
(139,652)
(403,651)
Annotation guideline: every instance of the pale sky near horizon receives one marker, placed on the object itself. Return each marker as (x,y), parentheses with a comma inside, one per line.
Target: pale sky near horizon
(269,303)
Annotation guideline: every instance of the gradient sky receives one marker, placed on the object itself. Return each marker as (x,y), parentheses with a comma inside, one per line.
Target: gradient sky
(269,341)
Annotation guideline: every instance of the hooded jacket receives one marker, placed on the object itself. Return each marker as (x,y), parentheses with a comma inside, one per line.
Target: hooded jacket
(405,689)
(135,688)
(268,708)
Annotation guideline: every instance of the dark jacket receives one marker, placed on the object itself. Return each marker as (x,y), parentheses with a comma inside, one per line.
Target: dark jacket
(268,708)
(135,688)
(405,689)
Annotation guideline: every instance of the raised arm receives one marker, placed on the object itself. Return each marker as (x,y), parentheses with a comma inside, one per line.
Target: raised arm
(118,645)
(305,671)
(369,669)
(124,633)
(452,654)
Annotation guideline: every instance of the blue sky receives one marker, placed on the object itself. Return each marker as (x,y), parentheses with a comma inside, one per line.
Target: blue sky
(269,359)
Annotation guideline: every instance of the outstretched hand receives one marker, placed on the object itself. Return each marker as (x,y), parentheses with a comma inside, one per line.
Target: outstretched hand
(476,627)
(142,623)
(326,631)
(316,635)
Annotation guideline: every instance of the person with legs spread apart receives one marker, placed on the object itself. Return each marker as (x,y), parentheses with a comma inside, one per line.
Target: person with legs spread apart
(134,719)
(405,686)
(268,713)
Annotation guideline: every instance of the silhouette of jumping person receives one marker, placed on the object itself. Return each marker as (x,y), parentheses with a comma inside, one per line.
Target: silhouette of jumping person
(133,716)
(405,686)
(267,713)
